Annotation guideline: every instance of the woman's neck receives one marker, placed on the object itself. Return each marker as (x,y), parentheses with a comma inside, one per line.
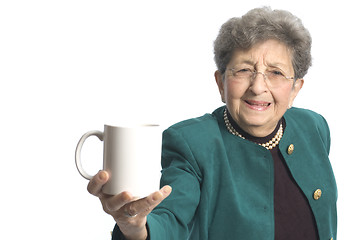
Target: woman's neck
(256,134)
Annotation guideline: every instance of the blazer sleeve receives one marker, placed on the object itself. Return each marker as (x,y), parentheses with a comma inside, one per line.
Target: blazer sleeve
(323,131)
(170,220)
(326,135)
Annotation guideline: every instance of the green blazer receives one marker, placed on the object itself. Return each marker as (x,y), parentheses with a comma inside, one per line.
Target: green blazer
(223,184)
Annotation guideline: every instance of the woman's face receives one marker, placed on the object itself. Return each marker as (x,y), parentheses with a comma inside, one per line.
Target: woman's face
(253,104)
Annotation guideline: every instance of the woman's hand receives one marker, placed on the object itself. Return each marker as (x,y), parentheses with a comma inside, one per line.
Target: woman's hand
(130,213)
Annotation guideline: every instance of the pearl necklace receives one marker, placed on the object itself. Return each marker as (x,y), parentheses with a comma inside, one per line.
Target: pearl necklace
(268,145)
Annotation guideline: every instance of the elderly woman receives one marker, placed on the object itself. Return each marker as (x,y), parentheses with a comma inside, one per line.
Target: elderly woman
(255,168)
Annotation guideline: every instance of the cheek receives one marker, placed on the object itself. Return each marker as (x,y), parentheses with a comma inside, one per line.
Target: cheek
(282,96)
(234,90)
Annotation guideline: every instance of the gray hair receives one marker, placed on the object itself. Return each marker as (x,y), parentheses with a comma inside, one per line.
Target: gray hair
(259,25)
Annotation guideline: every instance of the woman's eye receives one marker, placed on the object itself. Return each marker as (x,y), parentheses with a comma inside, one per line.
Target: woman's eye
(275,72)
(244,70)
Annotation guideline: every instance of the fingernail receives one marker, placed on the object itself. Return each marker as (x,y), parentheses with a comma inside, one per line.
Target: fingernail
(102,176)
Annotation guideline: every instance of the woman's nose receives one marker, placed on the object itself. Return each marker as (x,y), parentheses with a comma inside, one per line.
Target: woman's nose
(258,83)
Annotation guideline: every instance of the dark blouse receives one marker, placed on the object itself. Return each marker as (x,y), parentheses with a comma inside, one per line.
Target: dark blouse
(293,215)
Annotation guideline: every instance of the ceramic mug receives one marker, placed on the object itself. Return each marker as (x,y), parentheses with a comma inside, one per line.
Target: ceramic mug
(131,155)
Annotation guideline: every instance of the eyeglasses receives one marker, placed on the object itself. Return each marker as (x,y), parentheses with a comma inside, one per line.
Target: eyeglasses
(274,78)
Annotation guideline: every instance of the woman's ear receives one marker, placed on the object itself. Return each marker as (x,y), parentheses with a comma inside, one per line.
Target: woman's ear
(296,89)
(219,80)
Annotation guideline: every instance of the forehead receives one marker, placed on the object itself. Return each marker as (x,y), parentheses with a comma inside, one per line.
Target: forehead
(268,53)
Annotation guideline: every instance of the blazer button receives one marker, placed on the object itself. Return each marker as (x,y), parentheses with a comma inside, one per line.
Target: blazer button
(317,194)
(290,149)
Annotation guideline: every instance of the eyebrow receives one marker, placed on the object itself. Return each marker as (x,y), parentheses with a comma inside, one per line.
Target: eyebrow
(249,62)
(277,65)
(252,63)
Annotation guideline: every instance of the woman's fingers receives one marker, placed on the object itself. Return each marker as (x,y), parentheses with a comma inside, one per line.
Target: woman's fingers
(116,202)
(144,206)
(96,183)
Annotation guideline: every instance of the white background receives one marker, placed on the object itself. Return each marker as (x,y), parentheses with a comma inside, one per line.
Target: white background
(69,66)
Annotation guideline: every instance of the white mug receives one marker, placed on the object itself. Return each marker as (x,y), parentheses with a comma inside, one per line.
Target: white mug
(131,155)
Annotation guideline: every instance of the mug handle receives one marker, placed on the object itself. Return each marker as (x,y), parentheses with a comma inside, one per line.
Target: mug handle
(78,164)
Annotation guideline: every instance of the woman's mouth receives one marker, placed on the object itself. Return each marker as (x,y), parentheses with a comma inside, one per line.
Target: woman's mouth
(257,105)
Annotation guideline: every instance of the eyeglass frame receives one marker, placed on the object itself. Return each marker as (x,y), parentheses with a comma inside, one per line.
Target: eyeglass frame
(255,73)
